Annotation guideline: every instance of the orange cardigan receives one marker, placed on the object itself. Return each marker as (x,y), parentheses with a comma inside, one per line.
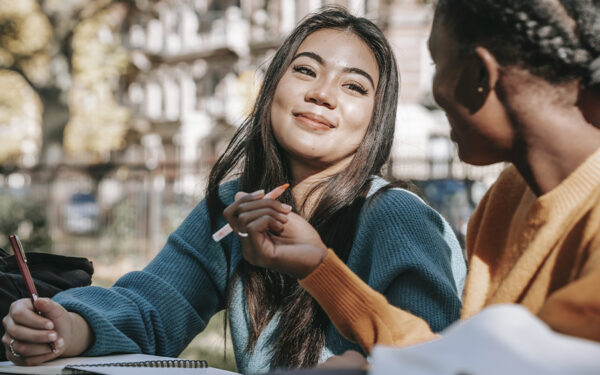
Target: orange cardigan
(541,252)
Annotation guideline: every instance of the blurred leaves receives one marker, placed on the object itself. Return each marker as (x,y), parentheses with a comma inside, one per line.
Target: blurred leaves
(27,218)
(20,117)
(74,46)
(98,124)
(25,35)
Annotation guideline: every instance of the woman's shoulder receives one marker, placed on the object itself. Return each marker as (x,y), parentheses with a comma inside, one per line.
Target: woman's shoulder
(509,178)
(228,189)
(386,195)
(402,209)
(227,192)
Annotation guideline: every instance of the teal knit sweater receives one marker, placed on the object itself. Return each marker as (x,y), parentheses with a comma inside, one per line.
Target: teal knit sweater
(403,249)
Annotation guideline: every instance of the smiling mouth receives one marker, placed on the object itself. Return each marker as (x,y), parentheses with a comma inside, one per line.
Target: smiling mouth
(313,122)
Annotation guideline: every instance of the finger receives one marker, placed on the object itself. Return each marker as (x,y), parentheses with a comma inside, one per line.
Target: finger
(24,315)
(31,361)
(240,194)
(25,349)
(248,217)
(264,203)
(262,225)
(231,212)
(257,233)
(50,309)
(257,247)
(26,334)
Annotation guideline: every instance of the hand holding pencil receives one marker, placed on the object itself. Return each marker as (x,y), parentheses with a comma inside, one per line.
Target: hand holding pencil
(226,229)
(274,237)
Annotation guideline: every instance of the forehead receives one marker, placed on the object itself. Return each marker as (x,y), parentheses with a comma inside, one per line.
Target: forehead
(441,42)
(342,49)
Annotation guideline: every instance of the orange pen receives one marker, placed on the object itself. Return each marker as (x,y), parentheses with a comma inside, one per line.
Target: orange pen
(22,262)
(226,229)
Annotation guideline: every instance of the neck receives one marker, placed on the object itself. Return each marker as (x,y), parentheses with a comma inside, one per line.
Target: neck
(553,132)
(559,143)
(306,177)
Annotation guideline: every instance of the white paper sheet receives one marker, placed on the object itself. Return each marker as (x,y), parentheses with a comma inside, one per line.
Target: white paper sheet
(502,339)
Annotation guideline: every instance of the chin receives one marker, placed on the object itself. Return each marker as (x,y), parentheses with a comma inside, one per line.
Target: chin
(477,159)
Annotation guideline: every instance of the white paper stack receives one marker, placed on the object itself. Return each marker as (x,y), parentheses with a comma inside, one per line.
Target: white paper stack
(502,339)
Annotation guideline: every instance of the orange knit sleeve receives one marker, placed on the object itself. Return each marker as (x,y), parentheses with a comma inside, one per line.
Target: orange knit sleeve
(575,308)
(360,313)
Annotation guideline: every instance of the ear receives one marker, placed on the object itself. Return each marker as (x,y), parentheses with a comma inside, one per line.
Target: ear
(492,68)
(478,76)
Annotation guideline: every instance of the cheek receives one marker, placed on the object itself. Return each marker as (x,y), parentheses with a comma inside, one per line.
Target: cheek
(285,90)
(358,115)
(279,105)
(440,95)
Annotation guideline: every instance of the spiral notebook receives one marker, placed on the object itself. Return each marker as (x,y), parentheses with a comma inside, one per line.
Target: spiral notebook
(124,364)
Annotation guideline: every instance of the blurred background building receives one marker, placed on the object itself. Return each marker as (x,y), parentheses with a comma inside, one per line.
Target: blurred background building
(112,112)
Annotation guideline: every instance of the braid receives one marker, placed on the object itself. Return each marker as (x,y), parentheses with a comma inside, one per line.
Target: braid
(537,35)
(586,14)
(595,73)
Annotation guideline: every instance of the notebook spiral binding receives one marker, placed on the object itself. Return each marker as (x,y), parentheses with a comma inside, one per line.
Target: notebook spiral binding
(171,363)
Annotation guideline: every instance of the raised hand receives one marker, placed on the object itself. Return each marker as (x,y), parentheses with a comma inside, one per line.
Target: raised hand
(274,237)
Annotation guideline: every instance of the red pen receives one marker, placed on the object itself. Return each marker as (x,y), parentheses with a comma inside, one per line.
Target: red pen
(22,262)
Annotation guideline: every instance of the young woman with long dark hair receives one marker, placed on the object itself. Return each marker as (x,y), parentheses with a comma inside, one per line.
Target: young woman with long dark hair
(520,83)
(324,122)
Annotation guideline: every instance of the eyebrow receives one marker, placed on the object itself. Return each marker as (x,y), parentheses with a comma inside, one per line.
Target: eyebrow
(321,61)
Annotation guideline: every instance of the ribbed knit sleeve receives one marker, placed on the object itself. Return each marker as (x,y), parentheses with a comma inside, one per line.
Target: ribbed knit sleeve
(403,278)
(161,308)
(360,313)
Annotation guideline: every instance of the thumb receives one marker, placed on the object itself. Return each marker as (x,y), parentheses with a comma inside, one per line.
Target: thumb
(49,308)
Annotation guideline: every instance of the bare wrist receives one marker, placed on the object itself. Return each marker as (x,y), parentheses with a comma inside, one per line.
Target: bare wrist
(81,336)
(322,253)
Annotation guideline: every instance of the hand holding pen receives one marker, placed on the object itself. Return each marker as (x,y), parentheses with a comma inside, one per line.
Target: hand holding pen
(273,236)
(226,229)
(29,284)
(39,329)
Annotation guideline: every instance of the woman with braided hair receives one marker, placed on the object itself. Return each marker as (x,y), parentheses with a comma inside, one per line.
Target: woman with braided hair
(520,83)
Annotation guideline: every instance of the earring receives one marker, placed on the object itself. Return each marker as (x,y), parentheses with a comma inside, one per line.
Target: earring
(480,89)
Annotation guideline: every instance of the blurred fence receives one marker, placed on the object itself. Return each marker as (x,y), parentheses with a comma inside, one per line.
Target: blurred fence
(110,211)
(101,212)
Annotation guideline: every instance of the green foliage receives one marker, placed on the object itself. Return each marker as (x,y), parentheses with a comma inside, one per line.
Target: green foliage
(25,217)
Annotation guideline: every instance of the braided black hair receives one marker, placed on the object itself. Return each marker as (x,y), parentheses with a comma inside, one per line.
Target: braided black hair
(586,14)
(557,40)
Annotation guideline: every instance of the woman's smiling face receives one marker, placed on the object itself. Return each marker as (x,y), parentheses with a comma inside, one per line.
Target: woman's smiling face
(324,101)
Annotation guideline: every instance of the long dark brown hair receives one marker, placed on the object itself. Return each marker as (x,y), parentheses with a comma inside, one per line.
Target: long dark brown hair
(254,154)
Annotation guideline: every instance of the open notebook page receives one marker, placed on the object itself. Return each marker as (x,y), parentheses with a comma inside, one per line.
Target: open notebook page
(57,366)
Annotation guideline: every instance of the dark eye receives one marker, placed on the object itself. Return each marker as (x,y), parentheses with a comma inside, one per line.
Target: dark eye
(304,70)
(354,87)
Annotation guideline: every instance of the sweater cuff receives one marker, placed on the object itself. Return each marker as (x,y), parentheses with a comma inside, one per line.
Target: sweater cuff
(342,294)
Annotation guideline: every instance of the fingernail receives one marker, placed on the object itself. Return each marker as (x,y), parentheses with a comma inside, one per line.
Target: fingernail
(258,192)
(286,207)
(60,342)
(49,325)
(52,336)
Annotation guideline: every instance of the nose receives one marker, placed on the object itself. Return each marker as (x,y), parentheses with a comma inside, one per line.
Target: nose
(322,92)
